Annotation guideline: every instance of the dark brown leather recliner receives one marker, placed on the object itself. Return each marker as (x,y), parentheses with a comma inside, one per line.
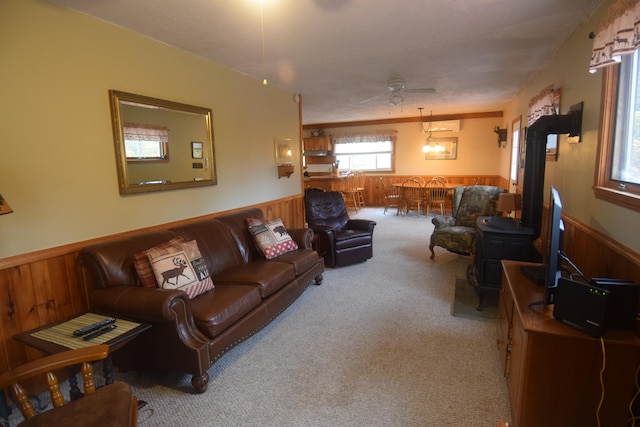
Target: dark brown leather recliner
(339,239)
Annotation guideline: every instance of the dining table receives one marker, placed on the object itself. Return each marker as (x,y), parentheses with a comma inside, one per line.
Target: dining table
(450,187)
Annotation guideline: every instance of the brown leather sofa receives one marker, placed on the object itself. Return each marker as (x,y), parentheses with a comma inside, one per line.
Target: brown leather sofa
(190,335)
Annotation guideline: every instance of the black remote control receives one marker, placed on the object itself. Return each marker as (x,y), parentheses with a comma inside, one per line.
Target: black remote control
(99,332)
(94,326)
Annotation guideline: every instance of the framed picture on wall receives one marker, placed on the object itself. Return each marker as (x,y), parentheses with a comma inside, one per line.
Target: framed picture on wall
(196,150)
(441,149)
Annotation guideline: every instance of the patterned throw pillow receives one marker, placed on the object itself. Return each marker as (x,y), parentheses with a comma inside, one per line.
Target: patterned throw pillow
(143,266)
(271,237)
(181,266)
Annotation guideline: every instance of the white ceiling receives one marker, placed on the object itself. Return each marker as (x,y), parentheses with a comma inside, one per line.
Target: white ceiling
(476,54)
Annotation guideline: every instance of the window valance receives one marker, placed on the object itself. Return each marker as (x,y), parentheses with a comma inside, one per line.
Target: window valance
(616,34)
(546,103)
(142,132)
(365,136)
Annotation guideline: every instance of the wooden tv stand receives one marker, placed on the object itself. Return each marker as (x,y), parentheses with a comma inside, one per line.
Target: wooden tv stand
(553,370)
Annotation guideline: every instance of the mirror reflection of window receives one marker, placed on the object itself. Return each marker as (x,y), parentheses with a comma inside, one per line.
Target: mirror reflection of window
(145,142)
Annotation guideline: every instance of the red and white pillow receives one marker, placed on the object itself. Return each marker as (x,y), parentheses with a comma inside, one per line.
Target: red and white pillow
(271,237)
(143,266)
(179,265)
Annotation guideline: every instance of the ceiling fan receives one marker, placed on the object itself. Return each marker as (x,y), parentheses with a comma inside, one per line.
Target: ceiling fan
(395,89)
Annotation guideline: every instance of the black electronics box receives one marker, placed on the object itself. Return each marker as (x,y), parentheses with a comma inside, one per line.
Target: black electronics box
(581,306)
(623,302)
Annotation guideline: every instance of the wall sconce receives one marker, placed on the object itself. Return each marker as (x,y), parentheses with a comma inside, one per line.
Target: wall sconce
(502,136)
(509,202)
(283,157)
(4,206)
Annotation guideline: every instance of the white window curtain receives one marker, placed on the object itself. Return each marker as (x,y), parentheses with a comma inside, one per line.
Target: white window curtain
(141,132)
(617,34)
(368,136)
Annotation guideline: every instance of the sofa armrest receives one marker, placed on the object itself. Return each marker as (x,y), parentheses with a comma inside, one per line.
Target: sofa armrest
(361,224)
(139,303)
(441,221)
(302,236)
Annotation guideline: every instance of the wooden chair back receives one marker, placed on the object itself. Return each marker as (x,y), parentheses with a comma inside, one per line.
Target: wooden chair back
(436,194)
(413,195)
(391,195)
(46,367)
(419,179)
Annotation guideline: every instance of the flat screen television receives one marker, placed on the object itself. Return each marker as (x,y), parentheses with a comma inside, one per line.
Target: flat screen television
(547,275)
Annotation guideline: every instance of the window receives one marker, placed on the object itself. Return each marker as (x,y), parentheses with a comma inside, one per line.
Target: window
(618,165)
(515,150)
(367,151)
(365,156)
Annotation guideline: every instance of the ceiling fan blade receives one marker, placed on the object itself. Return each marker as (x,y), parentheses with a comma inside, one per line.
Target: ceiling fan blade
(422,90)
(372,98)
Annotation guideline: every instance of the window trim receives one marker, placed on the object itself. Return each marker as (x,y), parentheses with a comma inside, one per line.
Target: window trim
(604,187)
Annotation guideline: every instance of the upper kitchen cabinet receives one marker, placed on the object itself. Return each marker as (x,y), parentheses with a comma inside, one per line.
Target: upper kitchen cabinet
(317,146)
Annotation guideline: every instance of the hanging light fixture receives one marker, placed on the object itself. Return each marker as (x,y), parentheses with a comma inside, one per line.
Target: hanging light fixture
(427,142)
(396,98)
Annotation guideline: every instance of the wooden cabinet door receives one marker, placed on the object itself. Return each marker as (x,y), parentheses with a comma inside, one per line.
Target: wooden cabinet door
(322,143)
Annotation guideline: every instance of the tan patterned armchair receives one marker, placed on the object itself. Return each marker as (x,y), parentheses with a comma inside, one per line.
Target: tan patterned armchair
(457,233)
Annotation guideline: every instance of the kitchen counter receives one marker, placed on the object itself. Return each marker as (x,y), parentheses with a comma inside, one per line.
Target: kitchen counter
(326,182)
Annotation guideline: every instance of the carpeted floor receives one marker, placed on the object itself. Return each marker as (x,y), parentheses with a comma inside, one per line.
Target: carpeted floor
(374,345)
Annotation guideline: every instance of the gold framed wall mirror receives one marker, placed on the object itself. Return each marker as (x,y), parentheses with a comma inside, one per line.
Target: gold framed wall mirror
(161,145)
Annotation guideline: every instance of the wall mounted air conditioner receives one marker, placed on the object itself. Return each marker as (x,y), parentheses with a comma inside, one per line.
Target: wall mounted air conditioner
(443,126)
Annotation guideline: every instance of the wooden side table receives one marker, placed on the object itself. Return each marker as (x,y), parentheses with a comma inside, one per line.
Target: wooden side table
(58,337)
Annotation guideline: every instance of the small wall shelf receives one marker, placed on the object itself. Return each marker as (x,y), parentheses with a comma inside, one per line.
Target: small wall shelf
(285,170)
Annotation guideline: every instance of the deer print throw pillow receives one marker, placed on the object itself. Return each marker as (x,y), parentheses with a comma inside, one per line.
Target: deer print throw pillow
(181,266)
(141,263)
(271,237)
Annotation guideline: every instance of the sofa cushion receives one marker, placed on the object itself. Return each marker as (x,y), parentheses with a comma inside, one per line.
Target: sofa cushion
(181,266)
(143,266)
(215,311)
(457,238)
(301,260)
(268,275)
(271,237)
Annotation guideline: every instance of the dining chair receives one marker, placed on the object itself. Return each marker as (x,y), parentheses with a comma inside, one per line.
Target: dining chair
(350,191)
(436,195)
(361,181)
(420,179)
(112,405)
(391,196)
(412,195)
(440,178)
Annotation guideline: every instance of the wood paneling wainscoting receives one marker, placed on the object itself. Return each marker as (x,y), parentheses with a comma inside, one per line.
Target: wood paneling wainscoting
(374,193)
(47,285)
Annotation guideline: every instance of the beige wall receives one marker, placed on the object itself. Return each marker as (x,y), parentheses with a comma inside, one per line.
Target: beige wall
(478,151)
(573,173)
(57,161)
